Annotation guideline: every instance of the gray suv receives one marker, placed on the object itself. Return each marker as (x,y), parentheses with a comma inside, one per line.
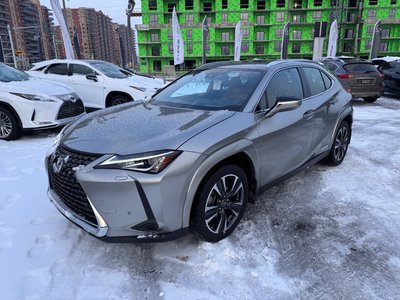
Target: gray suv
(191,158)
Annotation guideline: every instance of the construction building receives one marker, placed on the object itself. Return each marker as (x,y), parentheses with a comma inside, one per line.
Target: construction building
(262,28)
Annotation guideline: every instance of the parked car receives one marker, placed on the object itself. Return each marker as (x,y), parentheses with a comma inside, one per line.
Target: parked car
(391,70)
(99,84)
(28,103)
(361,78)
(198,151)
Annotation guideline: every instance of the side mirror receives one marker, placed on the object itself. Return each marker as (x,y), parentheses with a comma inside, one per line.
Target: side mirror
(283,106)
(92,77)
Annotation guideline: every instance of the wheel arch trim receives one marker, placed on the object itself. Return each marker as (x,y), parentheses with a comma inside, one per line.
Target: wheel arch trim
(10,107)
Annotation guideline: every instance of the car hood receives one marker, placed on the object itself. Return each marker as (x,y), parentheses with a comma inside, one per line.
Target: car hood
(36,86)
(137,128)
(147,82)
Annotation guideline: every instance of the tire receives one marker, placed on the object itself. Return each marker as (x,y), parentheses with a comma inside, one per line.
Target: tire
(9,128)
(118,99)
(370,99)
(340,145)
(220,203)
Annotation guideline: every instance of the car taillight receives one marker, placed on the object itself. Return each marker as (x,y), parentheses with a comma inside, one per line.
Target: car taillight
(381,75)
(345,76)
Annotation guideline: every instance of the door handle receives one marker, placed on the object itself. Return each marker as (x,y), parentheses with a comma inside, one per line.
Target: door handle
(308,114)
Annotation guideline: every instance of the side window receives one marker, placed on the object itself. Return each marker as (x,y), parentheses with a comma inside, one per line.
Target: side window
(315,81)
(327,80)
(284,86)
(59,69)
(81,70)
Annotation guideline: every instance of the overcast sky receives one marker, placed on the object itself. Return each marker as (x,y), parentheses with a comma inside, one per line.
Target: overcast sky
(114,9)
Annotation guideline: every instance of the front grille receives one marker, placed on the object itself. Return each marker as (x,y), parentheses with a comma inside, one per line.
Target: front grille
(70,109)
(65,184)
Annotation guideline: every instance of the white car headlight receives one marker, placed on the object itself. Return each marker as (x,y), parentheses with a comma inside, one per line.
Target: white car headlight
(69,97)
(153,162)
(33,97)
(142,89)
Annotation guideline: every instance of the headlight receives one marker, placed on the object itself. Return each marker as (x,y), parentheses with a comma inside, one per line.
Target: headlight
(142,89)
(153,162)
(33,97)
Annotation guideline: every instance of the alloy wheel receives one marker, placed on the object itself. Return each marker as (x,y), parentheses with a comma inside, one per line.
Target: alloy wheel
(224,203)
(341,143)
(5,125)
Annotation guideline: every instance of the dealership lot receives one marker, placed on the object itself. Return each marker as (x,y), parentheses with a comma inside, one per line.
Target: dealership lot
(325,233)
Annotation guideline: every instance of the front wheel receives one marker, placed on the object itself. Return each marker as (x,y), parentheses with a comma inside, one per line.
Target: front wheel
(220,203)
(370,99)
(340,145)
(9,128)
(118,99)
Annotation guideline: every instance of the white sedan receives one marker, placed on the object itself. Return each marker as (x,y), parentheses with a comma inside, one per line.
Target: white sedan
(28,103)
(99,84)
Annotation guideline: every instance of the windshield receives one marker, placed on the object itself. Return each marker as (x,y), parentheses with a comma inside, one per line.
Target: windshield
(110,70)
(8,74)
(214,89)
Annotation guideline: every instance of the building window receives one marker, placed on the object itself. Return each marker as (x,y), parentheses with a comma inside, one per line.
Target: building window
(296,18)
(225,36)
(392,13)
(171,48)
(385,33)
(189,19)
(260,20)
(278,47)
(280,16)
(260,36)
(279,32)
(297,34)
(351,18)
(189,34)
(280,3)
(171,7)
(368,44)
(225,50)
(370,30)
(244,3)
(373,2)
(349,33)
(244,47)
(152,4)
(189,47)
(154,38)
(383,47)
(155,51)
(157,65)
(352,3)
(153,20)
(317,15)
(207,6)
(348,47)
(371,13)
(244,17)
(170,34)
(317,2)
(260,49)
(297,4)
(261,4)
(296,48)
(224,4)
(224,18)
(245,33)
(188,4)
(393,2)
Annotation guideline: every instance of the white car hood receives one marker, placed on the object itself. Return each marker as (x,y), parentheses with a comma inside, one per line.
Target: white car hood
(147,82)
(36,86)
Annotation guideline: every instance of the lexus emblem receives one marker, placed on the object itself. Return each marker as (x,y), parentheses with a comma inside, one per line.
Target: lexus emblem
(58,163)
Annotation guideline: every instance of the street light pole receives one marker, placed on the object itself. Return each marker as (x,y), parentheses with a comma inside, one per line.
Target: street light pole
(12,45)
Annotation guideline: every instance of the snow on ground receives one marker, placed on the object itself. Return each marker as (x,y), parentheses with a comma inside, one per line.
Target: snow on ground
(329,232)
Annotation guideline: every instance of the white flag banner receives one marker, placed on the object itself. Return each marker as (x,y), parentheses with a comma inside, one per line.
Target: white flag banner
(332,43)
(57,11)
(238,41)
(177,40)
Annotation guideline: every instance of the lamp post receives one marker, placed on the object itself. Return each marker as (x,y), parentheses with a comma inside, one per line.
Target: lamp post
(129,10)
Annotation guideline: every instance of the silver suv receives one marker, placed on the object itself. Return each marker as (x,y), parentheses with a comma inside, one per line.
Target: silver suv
(198,151)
